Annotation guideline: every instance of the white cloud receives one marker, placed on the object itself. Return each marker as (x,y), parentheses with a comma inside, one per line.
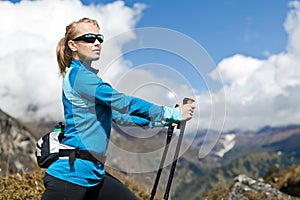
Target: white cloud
(30,84)
(29,33)
(264,91)
(258,91)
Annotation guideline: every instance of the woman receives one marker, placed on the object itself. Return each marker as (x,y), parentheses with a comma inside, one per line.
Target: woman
(90,106)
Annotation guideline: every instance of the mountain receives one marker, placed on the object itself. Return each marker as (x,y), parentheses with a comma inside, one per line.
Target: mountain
(237,143)
(17,146)
(248,152)
(236,152)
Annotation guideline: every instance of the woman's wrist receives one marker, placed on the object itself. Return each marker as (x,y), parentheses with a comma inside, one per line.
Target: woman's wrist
(172,114)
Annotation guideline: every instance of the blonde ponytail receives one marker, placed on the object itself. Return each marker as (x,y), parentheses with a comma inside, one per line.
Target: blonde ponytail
(64,56)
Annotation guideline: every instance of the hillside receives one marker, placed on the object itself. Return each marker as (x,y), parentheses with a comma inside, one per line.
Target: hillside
(29,185)
(251,153)
(255,165)
(278,184)
(17,146)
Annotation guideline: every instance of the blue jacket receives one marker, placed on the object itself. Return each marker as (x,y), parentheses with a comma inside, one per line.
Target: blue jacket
(90,105)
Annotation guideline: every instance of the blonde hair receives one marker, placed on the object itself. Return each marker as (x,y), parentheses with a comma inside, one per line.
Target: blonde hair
(63,52)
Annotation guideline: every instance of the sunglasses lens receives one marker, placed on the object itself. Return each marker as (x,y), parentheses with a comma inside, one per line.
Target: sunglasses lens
(90,38)
(100,38)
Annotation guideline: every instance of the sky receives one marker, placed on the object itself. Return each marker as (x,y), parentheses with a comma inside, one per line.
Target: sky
(240,60)
(223,28)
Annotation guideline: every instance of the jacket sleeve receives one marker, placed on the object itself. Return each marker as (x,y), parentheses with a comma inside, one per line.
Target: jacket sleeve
(131,120)
(91,87)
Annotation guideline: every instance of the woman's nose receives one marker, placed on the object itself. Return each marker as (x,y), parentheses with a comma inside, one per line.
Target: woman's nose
(97,42)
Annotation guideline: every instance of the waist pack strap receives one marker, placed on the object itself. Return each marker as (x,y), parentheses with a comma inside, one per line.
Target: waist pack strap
(82,154)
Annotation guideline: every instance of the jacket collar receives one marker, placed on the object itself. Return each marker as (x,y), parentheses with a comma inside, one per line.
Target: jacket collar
(78,63)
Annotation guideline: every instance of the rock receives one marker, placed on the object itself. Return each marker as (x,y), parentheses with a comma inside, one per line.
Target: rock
(244,185)
(17,145)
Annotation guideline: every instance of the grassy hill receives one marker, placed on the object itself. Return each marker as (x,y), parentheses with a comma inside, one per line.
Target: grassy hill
(29,185)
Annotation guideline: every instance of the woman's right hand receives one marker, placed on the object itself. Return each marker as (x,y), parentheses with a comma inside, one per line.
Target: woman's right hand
(187,111)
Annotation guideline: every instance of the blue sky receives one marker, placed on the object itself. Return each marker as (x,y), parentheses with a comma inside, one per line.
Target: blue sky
(223,27)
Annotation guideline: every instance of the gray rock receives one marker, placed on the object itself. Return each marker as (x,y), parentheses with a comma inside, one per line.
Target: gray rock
(244,184)
(17,145)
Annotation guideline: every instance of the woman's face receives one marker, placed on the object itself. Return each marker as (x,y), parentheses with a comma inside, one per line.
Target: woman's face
(82,50)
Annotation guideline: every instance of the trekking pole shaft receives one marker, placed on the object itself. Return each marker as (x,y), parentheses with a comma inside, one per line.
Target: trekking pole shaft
(173,167)
(161,165)
(176,155)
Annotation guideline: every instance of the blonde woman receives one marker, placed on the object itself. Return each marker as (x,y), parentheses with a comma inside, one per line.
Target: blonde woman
(90,106)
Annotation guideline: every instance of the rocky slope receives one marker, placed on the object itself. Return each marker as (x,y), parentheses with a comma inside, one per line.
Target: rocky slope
(279,184)
(16,146)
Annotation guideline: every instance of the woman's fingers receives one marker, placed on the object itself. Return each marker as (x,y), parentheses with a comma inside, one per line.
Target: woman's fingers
(187,111)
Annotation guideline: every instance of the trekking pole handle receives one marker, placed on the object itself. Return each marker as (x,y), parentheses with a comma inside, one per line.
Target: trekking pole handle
(188,100)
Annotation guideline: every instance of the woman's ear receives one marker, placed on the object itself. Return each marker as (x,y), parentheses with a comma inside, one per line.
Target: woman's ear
(72,45)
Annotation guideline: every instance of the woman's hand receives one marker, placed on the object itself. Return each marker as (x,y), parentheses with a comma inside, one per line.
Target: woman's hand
(187,111)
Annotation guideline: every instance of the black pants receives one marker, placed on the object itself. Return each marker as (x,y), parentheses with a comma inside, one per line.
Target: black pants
(109,188)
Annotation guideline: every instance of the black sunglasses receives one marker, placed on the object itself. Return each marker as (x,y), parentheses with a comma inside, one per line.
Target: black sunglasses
(90,38)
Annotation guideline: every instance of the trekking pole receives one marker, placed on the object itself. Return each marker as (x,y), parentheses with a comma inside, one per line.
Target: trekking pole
(171,175)
(161,165)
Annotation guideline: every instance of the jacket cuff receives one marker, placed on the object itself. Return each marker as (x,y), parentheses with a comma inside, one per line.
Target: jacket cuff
(172,114)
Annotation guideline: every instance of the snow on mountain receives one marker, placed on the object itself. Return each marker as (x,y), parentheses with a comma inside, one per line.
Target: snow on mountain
(227,141)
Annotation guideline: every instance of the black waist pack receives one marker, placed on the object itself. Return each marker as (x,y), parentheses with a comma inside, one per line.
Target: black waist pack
(49,149)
